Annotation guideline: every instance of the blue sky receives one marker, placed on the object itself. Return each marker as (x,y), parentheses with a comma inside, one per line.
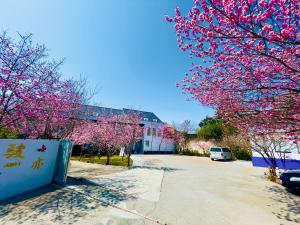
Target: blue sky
(124,47)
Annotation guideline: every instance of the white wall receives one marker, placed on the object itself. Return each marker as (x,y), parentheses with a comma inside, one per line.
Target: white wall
(292,149)
(155,142)
(19,171)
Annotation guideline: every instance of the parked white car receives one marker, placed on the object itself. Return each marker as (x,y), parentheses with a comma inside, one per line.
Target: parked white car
(220,153)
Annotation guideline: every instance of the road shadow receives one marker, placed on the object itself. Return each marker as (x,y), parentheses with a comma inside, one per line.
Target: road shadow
(92,172)
(108,191)
(165,169)
(63,205)
(291,209)
(223,160)
(154,164)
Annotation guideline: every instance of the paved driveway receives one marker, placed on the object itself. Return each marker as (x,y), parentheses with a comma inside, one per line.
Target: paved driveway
(160,189)
(200,191)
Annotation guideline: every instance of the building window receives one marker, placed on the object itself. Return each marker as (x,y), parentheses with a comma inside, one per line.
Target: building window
(149,131)
(158,133)
(146,119)
(154,120)
(154,132)
(147,143)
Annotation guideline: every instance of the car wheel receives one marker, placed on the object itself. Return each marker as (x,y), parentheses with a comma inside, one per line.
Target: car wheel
(212,159)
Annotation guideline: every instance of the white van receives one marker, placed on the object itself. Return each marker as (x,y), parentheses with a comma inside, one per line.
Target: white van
(220,153)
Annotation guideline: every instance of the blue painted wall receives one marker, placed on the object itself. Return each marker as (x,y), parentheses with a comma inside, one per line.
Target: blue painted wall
(289,164)
(62,162)
(35,164)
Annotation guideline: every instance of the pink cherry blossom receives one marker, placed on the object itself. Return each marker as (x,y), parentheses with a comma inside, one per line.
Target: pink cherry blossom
(110,132)
(248,64)
(169,135)
(34,100)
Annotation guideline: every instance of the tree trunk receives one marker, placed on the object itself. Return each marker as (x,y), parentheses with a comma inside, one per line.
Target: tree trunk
(123,153)
(107,159)
(81,153)
(273,171)
(159,145)
(129,153)
(272,174)
(128,159)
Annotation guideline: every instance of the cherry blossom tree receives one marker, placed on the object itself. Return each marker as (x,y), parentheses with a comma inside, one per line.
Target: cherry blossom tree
(248,61)
(273,150)
(131,131)
(34,99)
(109,133)
(169,135)
(55,114)
(73,96)
(103,133)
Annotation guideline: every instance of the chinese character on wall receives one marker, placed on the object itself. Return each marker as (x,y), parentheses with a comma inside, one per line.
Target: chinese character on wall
(38,163)
(14,152)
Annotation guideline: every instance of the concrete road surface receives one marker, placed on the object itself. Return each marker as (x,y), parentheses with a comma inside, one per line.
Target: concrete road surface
(160,189)
(198,191)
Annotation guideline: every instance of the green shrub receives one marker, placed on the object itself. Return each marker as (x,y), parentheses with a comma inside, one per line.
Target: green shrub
(8,134)
(214,129)
(225,135)
(211,131)
(239,145)
(242,154)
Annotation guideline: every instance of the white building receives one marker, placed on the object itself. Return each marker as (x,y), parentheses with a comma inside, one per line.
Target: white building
(152,141)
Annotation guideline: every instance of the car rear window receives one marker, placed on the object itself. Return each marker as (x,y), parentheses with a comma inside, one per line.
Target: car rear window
(215,150)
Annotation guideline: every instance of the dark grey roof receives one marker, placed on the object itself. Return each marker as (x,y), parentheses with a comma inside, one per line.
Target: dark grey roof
(150,116)
(90,112)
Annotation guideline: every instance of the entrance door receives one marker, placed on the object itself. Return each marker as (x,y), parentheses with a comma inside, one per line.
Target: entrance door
(138,147)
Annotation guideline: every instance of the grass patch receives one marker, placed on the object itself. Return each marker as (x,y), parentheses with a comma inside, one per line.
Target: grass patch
(114,160)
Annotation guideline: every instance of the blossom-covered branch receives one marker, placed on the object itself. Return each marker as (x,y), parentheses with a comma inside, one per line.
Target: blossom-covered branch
(34,99)
(249,66)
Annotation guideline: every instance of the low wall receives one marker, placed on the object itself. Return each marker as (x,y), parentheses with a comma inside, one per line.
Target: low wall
(290,162)
(199,146)
(286,154)
(28,164)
